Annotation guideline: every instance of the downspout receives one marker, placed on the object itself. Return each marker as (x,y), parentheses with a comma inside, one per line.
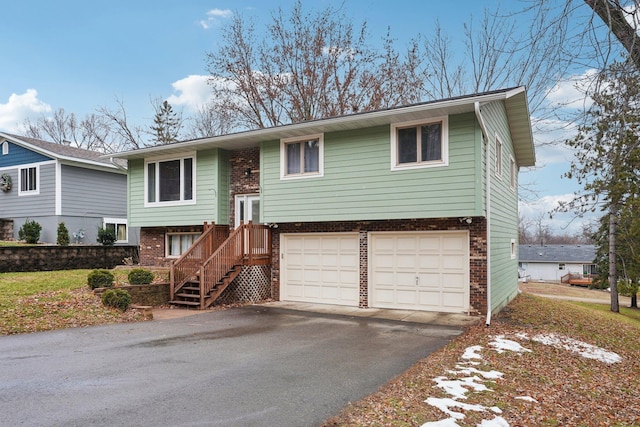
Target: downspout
(487,164)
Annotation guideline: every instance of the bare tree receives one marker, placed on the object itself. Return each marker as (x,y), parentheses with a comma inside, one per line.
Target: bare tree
(129,135)
(309,66)
(211,119)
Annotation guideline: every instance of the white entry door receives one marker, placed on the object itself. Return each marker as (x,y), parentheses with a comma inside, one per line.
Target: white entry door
(247,209)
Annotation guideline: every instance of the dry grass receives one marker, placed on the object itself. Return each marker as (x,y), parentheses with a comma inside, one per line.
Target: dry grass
(570,389)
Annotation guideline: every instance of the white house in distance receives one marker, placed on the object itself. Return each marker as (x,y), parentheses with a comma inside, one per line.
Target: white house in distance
(552,262)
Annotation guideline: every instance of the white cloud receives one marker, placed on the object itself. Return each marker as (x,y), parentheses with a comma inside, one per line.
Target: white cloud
(19,108)
(570,92)
(214,16)
(192,92)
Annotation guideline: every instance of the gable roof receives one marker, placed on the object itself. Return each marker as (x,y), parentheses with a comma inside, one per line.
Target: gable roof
(63,152)
(517,117)
(585,254)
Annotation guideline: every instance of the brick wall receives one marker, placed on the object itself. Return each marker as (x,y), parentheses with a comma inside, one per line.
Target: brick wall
(6,229)
(241,161)
(153,242)
(477,249)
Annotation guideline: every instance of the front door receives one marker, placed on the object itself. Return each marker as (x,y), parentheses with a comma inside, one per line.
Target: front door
(247,209)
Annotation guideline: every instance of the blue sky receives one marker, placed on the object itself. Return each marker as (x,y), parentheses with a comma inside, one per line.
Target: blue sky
(80,55)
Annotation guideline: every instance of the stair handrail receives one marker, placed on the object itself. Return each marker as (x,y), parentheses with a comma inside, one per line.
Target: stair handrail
(188,264)
(228,255)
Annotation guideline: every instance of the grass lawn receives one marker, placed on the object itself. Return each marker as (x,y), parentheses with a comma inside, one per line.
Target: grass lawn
(42,301)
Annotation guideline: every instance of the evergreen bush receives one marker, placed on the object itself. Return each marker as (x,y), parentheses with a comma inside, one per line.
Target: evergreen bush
(116,298)
(106,237)
(140,276)
(63,235)
(30,231)
(100,279)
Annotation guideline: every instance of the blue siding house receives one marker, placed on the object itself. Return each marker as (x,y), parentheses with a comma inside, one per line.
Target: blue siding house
(53,183)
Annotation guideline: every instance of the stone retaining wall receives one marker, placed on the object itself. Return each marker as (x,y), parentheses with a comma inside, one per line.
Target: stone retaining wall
(53,257)
(155,294)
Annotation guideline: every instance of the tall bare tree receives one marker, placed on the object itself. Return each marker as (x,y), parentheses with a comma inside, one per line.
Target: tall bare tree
(309,66)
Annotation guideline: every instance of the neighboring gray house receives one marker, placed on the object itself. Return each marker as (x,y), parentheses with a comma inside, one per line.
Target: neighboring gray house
(552,262)
(53,183)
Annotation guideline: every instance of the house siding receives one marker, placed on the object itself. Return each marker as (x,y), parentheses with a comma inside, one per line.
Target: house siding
(211,193)
(93,193)
(20,156)
(504,210)
(37,205)
(358,183)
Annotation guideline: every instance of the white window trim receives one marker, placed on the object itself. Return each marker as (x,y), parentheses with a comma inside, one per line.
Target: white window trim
(499,154)
(395,166)
(156,160)
(283,157)
(117,221)
(513,173)
(513,248)
(5,148)
(32,192)
(166,241)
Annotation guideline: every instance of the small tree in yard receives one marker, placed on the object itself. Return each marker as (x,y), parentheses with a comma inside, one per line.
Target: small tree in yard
(30,232)
(63,235)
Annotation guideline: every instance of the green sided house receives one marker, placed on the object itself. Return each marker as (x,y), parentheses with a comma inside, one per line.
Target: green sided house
(413,208)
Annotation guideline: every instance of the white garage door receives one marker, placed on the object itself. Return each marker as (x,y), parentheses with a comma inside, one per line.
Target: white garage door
(320,268)
(419,271)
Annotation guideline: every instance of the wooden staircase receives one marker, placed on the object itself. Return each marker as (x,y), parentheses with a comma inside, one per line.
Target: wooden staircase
(209,266)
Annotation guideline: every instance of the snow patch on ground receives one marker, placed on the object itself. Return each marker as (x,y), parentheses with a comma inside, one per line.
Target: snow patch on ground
(466,378)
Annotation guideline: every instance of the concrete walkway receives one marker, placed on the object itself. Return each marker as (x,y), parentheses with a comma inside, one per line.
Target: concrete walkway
(424,317)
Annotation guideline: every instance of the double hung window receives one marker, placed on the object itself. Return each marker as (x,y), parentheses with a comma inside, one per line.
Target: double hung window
(170,181)
(29,181)
(302,157)
(419,144)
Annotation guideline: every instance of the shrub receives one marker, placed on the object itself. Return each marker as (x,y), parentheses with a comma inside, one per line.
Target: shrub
(140,276)
(627,287)
(100,279)
(63,235)
(116,298)
(30,231)
(106,236)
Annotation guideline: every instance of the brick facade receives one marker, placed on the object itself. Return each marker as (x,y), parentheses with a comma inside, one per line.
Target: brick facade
(477,249)
(243,161)
(153,244)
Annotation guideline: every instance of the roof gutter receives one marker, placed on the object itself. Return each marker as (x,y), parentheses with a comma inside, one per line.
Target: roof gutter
(487,163)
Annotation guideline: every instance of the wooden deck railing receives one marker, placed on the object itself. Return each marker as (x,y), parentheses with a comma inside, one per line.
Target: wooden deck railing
(248,244)
(185,267)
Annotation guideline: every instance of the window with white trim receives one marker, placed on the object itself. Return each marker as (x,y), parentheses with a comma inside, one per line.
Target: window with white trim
(29,181)
(421,143)
(5,148)
(302,157)
(170,181)
(119,228)
(512,173)
(178,243)
(498,165)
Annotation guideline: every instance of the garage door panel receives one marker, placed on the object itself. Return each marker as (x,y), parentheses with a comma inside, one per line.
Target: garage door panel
(440,261)
(321,268)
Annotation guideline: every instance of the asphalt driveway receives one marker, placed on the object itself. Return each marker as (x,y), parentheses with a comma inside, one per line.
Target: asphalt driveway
(251,366)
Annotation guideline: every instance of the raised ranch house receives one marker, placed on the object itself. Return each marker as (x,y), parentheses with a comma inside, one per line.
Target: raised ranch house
(572,264)
(53,183)
(405,208)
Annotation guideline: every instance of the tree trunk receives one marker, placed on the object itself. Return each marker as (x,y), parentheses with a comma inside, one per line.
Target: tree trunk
(613,15)
(613,284)
(634,301)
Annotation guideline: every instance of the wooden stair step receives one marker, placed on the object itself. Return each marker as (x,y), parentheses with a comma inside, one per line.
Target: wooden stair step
(192,296)
(192,303)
